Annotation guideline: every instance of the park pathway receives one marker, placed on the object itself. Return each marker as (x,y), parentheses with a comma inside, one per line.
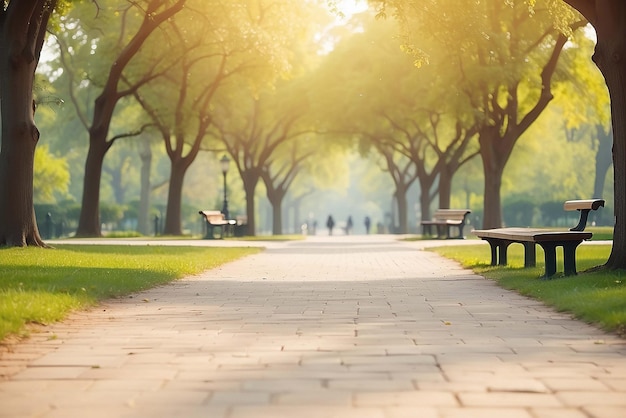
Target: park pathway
(358,326)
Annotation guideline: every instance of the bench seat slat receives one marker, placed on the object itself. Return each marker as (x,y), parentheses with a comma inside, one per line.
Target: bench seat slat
(532,234)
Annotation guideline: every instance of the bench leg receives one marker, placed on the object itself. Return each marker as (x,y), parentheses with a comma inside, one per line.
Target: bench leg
(498,251)
(494,252)
(209,231)
(549,249)
(530,254)
(569,257)
(461,236)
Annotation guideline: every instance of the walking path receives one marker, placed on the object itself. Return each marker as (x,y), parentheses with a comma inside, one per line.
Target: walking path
(358,326)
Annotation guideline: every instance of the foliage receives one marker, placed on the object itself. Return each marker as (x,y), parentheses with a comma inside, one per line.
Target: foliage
(51,176)
(40,286)
(372,74)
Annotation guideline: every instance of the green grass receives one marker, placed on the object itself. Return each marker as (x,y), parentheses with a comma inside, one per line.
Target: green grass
(40,286)
(597,297)
(601,233)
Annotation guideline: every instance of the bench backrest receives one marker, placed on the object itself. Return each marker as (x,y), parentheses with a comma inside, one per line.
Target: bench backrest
(584,206)
(592,204)
(212,215)
(451,214)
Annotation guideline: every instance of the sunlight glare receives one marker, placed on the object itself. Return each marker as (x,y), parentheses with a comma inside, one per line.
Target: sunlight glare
(348,8)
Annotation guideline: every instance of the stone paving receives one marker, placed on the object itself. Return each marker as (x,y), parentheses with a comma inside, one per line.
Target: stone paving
(359,326)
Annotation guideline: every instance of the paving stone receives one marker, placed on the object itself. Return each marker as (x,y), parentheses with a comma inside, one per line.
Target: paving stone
(357,326)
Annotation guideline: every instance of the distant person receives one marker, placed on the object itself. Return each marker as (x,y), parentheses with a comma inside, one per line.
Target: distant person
(314,231)
(330,224)
(349,225)
(368,224)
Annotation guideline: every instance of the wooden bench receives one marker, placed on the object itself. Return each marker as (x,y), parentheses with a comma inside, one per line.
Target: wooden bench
(215,221)
(443,219)
(499,240)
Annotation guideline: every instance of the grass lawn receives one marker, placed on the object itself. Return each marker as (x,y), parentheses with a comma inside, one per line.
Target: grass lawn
(40,286)
(594,297)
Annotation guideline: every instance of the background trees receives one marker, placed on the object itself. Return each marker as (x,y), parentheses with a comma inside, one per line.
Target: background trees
(608,20)
(358,92)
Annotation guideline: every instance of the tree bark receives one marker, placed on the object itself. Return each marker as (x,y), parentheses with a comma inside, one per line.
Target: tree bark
(425,198)
(143,216)
(403,217)
(610,57)
(277,216)
(603,160)
(494,152)
(445,188)
(22,32)
(172,224)
(250,180)
(276,197)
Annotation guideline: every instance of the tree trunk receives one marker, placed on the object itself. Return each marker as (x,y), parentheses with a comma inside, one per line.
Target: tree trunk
(445,189)
(250,180)
(22,33)
(277,216)
(117,183)
(403,218)
(492,203)
(89,220)
(603,160)
(610,56)
(425,199)
(603,163)
(143,217)
(494,151)
(173,213)
(276,198)
(18,226)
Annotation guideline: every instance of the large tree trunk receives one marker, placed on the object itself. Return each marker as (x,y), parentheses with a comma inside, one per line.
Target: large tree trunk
(22,32)
(175,198)
(445,189)
(18,226)
(603,160)
(603,163)
(89,220)
(277,216)
(610,56)
(494,158)
(250,179)
(492,214)
(403,217)
(276,198)
(425,199)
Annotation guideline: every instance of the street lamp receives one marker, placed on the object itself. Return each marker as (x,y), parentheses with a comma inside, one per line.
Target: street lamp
(224,162)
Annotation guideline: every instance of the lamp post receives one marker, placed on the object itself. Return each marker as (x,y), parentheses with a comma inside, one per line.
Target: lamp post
(224,162)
